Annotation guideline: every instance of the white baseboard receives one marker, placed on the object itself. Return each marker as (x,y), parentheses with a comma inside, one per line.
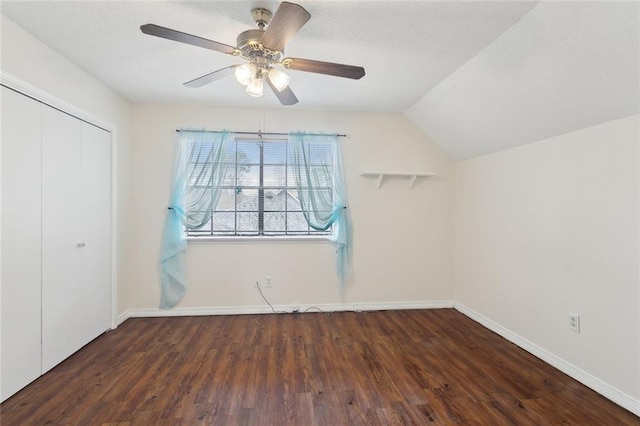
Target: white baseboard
(624,400)
(329,307)
(121,318)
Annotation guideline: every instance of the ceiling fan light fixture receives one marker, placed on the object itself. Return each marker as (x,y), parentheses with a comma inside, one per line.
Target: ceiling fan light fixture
(254,88)
(245,73)
(279,79)
(263,48)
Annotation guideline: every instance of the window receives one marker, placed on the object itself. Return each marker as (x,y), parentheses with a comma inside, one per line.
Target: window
(258,195)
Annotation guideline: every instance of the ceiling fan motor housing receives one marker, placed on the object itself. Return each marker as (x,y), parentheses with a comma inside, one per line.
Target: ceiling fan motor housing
(250,47)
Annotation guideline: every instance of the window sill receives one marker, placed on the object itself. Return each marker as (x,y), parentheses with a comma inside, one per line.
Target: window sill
(260,240)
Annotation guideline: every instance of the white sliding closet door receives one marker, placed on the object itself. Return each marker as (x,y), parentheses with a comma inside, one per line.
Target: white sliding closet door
(61,233)
(95,206)
(21,235)
(56,237)
(75,235)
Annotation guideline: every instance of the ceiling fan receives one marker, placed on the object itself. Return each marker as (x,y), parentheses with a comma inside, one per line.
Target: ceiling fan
(264,49)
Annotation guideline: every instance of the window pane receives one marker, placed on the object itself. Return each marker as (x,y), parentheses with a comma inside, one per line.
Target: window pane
(248,152)
(321,216)
(207,227)
(195,198)
(322,200)
(199,151)
(197,216)
(274,222)
(198,174)
(248,175)
(274,175)
(230,175)
(224,221)
(246,199)
(227,200)
(296,222)
(274,199)
(247,222)
(292,201)
(318,176)
(291,180)
(315,154)
(275,152)
(321,176)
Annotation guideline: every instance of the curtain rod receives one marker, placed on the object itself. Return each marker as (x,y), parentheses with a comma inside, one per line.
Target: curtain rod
(259,133)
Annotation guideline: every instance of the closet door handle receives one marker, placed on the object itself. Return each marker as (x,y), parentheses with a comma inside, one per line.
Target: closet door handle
(80,245)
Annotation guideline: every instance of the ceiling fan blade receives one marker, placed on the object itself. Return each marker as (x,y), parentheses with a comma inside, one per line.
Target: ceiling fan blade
(286,97)
(168,33)
(319,67)
(289,18)
(211,77)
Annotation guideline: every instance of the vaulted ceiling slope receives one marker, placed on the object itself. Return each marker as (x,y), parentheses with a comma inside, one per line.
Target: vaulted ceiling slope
(476,76)
(563,67)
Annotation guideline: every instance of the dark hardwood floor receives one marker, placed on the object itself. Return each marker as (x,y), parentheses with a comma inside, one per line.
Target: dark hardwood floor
(382,368)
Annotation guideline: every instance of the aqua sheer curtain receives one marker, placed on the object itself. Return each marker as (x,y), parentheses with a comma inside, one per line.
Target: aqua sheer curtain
(200,165)
(317,169)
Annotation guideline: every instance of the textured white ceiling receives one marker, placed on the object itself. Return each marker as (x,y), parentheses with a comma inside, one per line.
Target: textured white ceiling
(405,47)
(477,76)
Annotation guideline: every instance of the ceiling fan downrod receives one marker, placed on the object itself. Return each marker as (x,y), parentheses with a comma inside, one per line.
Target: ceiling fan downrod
(261,17)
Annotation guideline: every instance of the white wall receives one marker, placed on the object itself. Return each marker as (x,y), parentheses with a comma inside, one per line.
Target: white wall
(30,60)
(402,247)
(551,228)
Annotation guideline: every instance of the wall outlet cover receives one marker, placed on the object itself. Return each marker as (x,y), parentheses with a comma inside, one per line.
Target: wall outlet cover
(574,322)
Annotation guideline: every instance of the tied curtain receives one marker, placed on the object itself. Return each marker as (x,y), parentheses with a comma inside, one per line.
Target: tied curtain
(200,165)
(318,174)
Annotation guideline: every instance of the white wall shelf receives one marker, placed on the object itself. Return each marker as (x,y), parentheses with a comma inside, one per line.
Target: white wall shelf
(411,176)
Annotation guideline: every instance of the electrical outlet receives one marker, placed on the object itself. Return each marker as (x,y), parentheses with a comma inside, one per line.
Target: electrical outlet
(267,282)
(574,322)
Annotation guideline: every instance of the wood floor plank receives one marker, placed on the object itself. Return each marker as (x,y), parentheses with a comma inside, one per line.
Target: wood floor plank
(369,368)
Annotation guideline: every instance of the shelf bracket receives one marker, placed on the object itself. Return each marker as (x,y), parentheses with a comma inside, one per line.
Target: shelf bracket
(412,181)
